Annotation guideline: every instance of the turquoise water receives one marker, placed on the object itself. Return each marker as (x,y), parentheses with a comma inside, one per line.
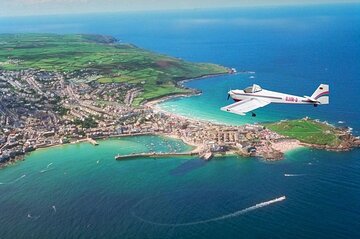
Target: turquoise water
(207,105)
(81,191)
(291,49)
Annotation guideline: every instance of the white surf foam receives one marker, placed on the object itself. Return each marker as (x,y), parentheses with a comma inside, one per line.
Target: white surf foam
(227,216)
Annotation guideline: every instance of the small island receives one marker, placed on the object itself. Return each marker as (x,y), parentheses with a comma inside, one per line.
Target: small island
(58,89)
(316,134)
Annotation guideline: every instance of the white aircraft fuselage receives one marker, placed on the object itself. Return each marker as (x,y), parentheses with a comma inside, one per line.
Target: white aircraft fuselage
(272,96)
(254,97)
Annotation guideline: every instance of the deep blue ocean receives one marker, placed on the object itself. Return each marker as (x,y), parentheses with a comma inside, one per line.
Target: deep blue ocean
(291,49)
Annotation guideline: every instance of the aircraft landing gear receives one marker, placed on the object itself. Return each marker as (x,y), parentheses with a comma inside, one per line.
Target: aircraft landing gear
(253,114)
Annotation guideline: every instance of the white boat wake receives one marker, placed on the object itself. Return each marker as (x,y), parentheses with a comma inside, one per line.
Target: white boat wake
(227,216)
(33,218)
(293,175)
(47,168)
(14,181)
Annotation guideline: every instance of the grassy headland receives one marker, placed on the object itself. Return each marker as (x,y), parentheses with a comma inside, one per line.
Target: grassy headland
(154,74)
(307,131)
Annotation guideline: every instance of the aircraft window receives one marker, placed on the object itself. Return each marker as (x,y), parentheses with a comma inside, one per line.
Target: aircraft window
(252,89)
(248,89)
(256,88)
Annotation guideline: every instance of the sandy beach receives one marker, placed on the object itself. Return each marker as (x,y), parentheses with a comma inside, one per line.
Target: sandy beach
(286,145)
(282,146)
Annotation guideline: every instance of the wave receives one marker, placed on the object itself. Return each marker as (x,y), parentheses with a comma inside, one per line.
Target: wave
(31,217)
(45,170)
(293,175)
(227,216)
(14,181)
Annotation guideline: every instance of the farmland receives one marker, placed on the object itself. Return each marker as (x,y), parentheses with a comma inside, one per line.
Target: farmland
(103,57)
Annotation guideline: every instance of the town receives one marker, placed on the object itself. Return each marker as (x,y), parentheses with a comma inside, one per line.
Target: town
(41,109)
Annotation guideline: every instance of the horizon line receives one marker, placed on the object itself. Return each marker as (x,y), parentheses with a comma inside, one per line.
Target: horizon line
(185,9)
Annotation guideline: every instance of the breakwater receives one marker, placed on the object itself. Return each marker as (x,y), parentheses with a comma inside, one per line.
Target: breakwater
(154,155)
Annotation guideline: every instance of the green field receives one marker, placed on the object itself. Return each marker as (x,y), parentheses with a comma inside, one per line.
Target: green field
(114,62)
(307,131)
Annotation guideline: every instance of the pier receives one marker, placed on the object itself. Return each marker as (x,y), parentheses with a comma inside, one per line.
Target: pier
(154,155)
(205,156)
(90,140)
(93,141)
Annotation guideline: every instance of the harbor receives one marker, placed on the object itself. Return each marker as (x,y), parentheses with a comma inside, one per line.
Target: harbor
(206,156)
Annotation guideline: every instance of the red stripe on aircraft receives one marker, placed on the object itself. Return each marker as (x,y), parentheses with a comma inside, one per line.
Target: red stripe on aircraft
(321,94)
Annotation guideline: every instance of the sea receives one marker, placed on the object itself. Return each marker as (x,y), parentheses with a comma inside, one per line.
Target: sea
(81,191)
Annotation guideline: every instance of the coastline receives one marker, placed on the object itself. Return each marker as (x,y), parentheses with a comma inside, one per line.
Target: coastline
(154,102)
(195,147)
(286,146)
(180,84)
(274,150)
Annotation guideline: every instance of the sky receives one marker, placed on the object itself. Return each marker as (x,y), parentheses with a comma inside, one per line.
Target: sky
(50,7)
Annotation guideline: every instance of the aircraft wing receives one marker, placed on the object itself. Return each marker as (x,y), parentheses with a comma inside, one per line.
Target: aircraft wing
(245,106)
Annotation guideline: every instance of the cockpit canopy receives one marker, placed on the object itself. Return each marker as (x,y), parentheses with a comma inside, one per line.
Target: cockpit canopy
(252,89)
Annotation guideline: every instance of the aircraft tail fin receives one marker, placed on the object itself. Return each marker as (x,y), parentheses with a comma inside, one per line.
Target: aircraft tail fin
(321,94)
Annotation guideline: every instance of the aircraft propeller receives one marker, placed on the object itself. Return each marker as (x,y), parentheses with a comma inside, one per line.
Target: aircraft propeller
(228,97)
